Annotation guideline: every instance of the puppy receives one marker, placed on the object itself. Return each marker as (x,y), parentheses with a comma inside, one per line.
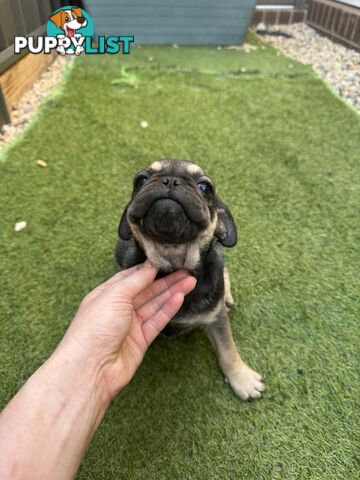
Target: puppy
(70,21)
(176,220)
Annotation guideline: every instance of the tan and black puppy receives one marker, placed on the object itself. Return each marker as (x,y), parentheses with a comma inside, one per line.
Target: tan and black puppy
(176,220)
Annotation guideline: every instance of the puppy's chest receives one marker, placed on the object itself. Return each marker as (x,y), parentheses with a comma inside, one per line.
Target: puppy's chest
(192,318)
(203,305)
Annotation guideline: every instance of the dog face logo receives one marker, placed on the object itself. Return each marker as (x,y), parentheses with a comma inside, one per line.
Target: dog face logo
(69,20)
(70,31)
(70,25)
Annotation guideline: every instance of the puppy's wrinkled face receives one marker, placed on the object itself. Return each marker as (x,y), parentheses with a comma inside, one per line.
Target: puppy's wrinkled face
(174,213)
(173,202)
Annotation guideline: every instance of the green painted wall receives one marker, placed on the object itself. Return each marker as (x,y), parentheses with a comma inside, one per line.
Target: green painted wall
(173,21)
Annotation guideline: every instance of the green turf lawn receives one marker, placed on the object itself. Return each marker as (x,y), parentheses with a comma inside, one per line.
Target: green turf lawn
(284,152)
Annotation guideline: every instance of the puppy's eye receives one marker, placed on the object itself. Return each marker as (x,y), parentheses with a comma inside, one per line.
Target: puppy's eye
(205,187)
(140,180)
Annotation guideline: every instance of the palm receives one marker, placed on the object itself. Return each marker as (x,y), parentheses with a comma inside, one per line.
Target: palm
(132,349)
(131,320)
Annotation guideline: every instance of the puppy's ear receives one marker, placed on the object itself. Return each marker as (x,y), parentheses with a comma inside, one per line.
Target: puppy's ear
(225,228)
(124,229)
(77,11)
(58,18)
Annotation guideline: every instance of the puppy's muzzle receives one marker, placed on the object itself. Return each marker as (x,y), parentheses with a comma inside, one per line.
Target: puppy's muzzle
(166,221)
(167,212)
(173,188)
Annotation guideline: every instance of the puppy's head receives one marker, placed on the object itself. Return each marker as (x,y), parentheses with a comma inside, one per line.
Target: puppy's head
(69,20)
(174,214)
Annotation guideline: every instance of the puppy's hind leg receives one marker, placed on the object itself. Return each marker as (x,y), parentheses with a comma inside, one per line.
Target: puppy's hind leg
(245,382)
(229,300)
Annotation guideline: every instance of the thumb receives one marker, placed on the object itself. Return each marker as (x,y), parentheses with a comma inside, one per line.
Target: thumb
(137,281)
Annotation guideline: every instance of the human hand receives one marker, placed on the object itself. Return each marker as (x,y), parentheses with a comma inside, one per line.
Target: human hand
(56,413)
(118,320)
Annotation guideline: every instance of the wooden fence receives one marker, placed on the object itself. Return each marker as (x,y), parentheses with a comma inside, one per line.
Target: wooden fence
(21,18)
(338,20)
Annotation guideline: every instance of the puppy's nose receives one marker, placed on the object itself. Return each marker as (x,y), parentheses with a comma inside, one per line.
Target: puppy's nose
(81,19)
(171,182)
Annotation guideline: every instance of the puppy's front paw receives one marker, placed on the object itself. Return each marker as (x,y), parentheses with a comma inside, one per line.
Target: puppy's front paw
(246,383)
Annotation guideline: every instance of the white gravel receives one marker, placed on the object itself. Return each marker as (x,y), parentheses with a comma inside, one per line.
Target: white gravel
(29,103)
(337,64)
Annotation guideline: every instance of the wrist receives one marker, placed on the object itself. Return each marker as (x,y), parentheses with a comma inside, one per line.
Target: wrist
(72,369)
(56,414)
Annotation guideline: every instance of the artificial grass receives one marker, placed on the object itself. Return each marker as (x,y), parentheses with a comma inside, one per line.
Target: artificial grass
(284,153)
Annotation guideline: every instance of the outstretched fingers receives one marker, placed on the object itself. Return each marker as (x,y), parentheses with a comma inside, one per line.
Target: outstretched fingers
(121,275)
(112,280)
(153,326)
(137,281)
(155,303)
(159,286)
